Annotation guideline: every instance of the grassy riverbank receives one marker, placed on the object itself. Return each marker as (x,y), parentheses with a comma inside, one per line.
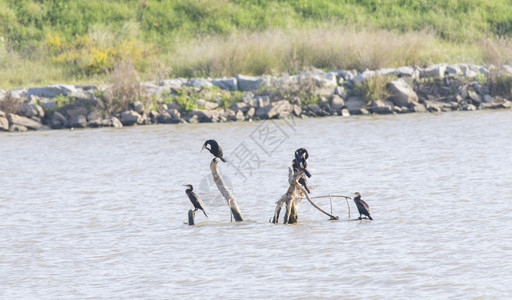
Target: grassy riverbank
(82,41)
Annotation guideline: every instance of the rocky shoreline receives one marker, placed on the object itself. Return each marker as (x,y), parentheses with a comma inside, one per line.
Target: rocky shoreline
(438,88)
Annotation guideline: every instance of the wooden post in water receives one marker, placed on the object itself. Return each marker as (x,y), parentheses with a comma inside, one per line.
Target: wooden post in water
(191,215)
(291,216)
(224,190)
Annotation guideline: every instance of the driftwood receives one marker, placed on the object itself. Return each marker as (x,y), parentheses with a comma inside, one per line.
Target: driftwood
(291,215)
(225,191)
(335,196)
(292,200)
(191,215)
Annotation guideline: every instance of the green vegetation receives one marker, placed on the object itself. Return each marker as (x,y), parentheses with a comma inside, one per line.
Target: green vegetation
(375,88)
(73,41)
(500,84)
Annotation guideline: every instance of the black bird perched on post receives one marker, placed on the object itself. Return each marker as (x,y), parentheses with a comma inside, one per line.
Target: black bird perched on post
(301,156)
(214,149)
(362,206)
(194,198)
(299,163)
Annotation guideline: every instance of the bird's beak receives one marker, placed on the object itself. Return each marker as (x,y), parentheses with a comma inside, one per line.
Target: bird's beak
(202,148)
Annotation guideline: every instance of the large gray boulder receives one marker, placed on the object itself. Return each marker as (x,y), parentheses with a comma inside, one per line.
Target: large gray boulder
(418,108)
(317,110)
(199,83)
(406,71)
(362,77)
(57,120)
(436,71)
(169,116)
(251,112)
(206,104)
(52,91)
(262,101)
(240,106)
(130,117)
(475,97)
(30,110)
(47,103)
(453,70)
(18,94)
(4,123)
(149,88)
(262,112)
(138,107)
(75,110)
(95,119)
(402,93)
(175,83)
(229,84)
(340,91)
(116,123)
(23,121)
(354,105)
(248,83)
(337,104)
(206,116)
(382,107)
(279,109)
(78,121)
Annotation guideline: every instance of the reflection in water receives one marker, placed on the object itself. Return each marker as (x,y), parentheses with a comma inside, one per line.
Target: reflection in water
(99,213)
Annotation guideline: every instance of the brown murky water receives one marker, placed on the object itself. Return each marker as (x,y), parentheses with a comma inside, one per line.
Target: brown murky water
(95,214)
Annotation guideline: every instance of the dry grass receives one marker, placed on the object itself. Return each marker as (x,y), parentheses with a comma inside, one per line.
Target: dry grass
(10,105)
(330,47)
(274,52)
(496,52)
(375,88)
(499,82)
(124,88)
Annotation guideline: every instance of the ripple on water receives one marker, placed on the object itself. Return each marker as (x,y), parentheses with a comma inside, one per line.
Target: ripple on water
(99,213)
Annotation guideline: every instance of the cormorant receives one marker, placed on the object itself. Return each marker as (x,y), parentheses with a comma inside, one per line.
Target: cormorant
(302,180)
(299,163)
(214,149)
(301,156)
(362,206)
(194,198)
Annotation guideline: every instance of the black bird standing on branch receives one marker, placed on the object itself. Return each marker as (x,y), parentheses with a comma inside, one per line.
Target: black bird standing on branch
(362,206)
(214,149)
(194,198)
(299,163)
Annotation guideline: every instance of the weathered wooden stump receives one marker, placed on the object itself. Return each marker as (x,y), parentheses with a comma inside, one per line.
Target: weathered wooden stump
(191,215)
(225,191)
(291,215)
(292,200)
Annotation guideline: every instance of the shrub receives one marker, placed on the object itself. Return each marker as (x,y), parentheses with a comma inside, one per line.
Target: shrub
(374,88)
(124,89)
(500,83)
(185,102)
(10,105)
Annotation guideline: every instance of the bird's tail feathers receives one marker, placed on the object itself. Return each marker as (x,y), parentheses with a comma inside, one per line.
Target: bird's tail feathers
(223,159)
(204,213)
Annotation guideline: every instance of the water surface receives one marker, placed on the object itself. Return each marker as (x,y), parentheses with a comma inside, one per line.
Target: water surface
(96,214)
